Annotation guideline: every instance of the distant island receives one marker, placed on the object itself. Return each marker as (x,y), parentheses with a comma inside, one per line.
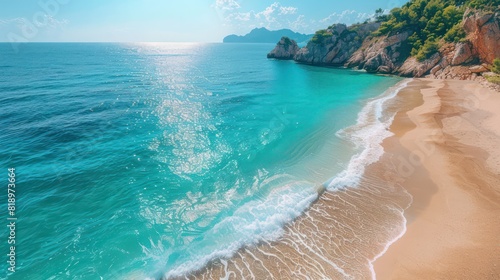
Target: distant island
(263,35)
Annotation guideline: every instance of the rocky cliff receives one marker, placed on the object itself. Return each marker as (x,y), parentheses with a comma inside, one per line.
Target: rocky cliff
(483,31)
(384,54)
(285,49)
(355,47)
(468,60)
(334,45)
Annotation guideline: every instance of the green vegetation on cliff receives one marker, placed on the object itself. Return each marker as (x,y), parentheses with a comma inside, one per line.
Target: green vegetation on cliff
(488,5)
(495,69)
(496,66)
(320,36)
(429,21)
(455,34)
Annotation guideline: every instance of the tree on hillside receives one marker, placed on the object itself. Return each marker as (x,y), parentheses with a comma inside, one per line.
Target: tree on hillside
(427,21)
(379,15)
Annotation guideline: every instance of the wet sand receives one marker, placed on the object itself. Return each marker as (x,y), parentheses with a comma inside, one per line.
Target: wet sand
(428,209)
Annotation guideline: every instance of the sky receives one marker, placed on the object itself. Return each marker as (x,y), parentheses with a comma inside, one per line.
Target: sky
(171,20)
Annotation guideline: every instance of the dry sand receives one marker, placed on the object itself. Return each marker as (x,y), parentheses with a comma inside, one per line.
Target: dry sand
(452,169)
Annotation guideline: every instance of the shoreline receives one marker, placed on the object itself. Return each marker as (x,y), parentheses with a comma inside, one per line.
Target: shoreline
(333,238)
(382,228)
(451,229)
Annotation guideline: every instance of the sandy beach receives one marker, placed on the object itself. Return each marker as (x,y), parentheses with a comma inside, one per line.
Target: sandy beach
(450,165)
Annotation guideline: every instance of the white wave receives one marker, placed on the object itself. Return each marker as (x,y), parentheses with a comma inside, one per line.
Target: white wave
(254,221)
(367,134)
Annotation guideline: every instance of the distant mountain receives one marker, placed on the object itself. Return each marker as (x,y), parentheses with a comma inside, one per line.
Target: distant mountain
(262,35)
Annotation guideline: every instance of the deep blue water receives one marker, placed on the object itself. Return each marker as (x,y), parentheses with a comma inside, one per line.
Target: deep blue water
(138,160)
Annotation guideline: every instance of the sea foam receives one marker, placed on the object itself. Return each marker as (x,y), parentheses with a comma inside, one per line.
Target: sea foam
(367,135)
(281,200)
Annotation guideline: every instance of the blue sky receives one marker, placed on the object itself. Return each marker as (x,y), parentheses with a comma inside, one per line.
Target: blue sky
(171,21)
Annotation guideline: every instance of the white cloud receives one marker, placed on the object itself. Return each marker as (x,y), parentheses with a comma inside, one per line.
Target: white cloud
(46,21)
(18,20)
(227,4)
(275,16)
(268,12)
(347,17)
(336,17)
(288,10)
(55,23)
(299,24)
(240,16)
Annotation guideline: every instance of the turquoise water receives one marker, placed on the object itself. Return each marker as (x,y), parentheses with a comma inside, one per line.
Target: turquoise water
(142,160)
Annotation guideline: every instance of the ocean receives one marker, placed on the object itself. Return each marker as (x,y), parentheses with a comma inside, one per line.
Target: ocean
(143,160)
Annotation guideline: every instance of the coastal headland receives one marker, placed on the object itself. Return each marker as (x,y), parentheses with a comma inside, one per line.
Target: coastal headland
(433,39)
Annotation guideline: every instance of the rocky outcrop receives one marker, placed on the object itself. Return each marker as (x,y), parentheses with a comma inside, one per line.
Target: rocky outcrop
(414,68)
(472,59)
(478,69)
(285,49)
(381,54)
(335,45)
(462,54)
(447,68)
(454,72)
(483,31)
